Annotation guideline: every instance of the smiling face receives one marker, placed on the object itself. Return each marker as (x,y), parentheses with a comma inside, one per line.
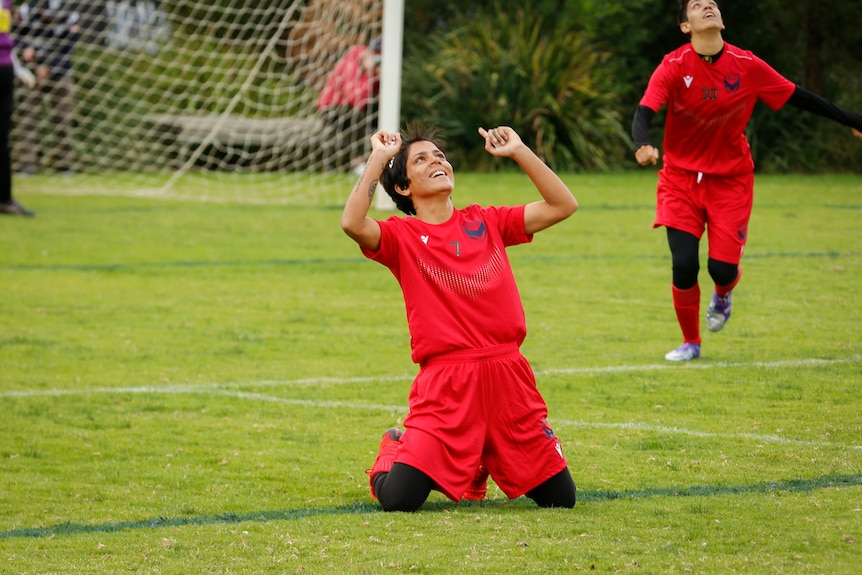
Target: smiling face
(701,16)
(419,169)
(428,171)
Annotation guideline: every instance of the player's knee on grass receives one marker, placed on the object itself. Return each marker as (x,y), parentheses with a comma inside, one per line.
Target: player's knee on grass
(558,491)
(403,488)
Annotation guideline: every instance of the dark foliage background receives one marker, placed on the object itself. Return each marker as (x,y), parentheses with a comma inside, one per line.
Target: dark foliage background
(569,74)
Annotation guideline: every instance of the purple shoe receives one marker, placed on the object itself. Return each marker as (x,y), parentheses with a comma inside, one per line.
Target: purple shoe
(718,312)
(685,352)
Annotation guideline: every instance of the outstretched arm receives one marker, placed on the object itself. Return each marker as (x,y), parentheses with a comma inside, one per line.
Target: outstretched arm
(811,102)
(354,220)
(557,202)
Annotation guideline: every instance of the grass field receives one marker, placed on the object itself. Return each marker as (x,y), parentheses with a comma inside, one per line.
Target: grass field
(197,384)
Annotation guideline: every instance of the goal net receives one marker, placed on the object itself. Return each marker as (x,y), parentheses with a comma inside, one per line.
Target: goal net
(191,98)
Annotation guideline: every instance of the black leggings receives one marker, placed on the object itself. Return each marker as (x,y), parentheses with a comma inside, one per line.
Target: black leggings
(7,103)
(405,488)
(684,250)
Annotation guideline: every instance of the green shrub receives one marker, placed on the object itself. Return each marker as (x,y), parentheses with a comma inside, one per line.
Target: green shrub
(514,68)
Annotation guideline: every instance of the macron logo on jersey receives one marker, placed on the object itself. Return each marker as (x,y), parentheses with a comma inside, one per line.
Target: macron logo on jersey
(688,80)
(424,239)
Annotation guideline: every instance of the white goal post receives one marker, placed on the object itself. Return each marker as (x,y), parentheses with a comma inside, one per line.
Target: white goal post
(184,97)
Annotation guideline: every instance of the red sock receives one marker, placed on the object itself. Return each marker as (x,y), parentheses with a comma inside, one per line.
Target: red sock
(722,291)
(686,303)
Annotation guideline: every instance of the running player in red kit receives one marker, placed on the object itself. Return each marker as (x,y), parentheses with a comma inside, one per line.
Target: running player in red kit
(474,407)
(707,180)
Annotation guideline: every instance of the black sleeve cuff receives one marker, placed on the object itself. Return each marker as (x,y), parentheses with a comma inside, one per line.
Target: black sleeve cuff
(640,126)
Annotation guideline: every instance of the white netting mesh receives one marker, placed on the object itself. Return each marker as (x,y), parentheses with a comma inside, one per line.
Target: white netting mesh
(221,93)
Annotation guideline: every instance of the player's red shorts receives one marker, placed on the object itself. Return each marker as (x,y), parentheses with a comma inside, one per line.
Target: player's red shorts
(692,201)
(480,406)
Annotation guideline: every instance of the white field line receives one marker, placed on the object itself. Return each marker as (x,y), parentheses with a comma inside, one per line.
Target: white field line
(556,422)
(311,381)
(223,389)
(703,434)
(700,365)
(154,193)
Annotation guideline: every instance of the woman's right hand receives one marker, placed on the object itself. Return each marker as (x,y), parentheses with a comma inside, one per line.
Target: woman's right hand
(646,155)
(386,143)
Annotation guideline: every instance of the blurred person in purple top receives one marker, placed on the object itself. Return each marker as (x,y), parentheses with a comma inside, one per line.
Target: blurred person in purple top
(8,205)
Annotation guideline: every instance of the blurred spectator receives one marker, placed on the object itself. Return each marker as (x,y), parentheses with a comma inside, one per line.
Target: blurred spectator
(48,32)
(8,72)
(348,104)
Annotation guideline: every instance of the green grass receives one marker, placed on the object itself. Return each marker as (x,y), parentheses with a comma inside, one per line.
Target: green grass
(196,385)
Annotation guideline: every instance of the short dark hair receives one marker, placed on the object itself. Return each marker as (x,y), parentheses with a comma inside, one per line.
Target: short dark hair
(682,16)
(395,172)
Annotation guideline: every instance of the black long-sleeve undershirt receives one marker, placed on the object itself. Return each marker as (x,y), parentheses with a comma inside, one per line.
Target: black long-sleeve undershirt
(801,98)
(811,102)
(640,126)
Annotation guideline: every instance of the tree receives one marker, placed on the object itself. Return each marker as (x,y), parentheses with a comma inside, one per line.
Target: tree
(812,42)
(514,68)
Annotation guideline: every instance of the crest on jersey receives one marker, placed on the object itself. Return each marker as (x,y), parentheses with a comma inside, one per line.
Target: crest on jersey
(475,230)
(732,82)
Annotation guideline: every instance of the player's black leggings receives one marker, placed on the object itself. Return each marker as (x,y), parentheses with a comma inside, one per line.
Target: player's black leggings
(405,488)
(7,103)
(684,249)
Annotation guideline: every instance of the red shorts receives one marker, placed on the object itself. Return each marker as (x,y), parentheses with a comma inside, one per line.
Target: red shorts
(480,406)
(692,201)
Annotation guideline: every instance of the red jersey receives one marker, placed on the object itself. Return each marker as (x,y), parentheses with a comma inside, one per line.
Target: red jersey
(459,290)
(709,106)
(349,84)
